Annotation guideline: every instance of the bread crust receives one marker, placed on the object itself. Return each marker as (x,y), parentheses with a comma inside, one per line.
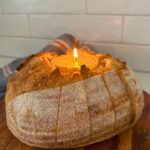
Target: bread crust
(73,111)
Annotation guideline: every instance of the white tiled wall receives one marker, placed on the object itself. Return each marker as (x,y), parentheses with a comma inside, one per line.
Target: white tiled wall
(127,7)
(86,27)
(5,60)
(14,25)
(136,29)
(120,27)
(138,56)
(20,47)
(44,6)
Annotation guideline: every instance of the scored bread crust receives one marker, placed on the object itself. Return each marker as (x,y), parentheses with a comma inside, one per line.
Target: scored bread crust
(84,111)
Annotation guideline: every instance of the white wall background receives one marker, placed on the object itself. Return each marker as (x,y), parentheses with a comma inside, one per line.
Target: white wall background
(120,27)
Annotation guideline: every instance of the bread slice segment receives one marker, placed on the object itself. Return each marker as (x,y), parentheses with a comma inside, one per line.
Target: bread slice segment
(134,90)
(120,99)
(101,111)
(33,116)
(73,118)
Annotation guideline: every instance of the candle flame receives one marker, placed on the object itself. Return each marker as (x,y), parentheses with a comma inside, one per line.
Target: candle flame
(75,54)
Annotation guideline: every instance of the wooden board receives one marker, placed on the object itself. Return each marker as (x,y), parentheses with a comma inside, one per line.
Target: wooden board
(137,138)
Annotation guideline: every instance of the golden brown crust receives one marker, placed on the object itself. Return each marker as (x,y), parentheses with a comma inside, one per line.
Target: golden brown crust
(73,115)
(28,78)
(38,73)
(52,107)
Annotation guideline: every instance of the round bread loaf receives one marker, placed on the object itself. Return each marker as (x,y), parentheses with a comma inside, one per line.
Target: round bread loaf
(52,107)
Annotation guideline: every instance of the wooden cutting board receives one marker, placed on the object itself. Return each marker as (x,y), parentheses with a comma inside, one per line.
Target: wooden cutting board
(137,138)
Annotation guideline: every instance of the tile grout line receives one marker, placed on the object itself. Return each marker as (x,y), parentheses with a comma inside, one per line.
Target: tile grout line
(25,37)
(141,71)
(121,14)
(78,14)
(118,43)
(86,11)
(88,42)
(2,6)
(6,56)
(29,24)
(122,28)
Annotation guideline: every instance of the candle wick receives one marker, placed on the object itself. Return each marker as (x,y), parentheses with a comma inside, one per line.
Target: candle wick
(76,63)
(76,59)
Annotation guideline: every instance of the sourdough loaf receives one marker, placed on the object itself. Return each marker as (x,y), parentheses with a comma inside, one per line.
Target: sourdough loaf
(53,107)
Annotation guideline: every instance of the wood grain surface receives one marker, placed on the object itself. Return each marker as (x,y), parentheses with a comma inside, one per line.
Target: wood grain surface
(137,138)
